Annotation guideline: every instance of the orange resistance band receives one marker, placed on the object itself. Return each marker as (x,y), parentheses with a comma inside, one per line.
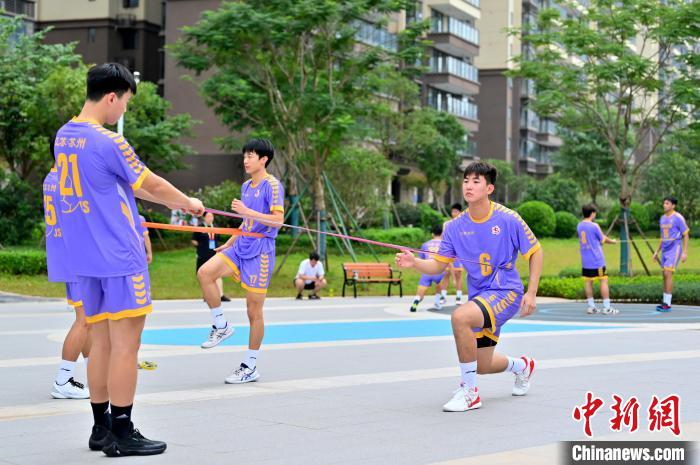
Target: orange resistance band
(224,231)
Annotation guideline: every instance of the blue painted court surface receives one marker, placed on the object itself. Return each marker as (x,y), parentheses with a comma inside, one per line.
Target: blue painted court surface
(346,331)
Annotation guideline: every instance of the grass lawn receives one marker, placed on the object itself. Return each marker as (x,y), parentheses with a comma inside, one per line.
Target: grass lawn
(173,276)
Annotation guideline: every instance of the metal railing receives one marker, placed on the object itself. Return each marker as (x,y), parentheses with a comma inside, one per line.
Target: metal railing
(370,34)
(442,23)
(448,64)
(461,108)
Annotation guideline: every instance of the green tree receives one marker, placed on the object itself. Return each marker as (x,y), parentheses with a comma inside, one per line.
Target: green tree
(153,132)
(610,64)
(26,63)
(558,192)
(510,187)
(433,140)
(676,174)
(292,69)
(585,158)
(366,200)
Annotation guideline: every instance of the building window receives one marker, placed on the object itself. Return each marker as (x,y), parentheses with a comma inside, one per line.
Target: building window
(130,39)
(92,35)
(131,3)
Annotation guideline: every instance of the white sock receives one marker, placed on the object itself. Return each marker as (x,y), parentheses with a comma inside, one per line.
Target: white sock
(65,372)
(468,371)
(218,317)
(667,299)
(416,300)
(515,365)
(606,304)
(251,358)
(591,302)
(85,360)
(443,293)
(459,295)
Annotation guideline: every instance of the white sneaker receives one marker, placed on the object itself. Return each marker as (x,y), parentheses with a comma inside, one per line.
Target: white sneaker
(217,336)
(463,399)
(438,305)
(71,390)
(243,374)
(522,380)
(592,310)
(610,311)
(458,301)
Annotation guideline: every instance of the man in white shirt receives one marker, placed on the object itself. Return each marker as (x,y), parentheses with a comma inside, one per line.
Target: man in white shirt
(310,276)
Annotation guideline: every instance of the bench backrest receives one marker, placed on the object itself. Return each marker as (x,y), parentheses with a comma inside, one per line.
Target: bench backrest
(367,270)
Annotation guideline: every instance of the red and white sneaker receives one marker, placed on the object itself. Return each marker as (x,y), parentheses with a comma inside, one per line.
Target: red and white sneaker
(463,399)
(522,380)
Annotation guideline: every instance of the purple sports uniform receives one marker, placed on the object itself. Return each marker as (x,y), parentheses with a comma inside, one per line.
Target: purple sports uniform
(427,280)
(56,255)
(252,259)
(490,247)
(591,239)
(673,228)
(98,173)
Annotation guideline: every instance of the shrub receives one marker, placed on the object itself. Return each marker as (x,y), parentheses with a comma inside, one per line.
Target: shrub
(430,217)
(410,237)
(539,216)
(566,225)
(639,213)
(409,214)
(559,192)
(27,262)
(20,209)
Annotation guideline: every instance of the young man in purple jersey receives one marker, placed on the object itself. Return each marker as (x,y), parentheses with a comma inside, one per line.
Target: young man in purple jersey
(673,247)
(99,177)
(433,245)
(78,338)
(488,238)
(247,260)
(591,240)
(455,270)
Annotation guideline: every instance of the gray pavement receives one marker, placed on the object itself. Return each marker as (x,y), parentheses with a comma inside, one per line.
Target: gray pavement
(350,381)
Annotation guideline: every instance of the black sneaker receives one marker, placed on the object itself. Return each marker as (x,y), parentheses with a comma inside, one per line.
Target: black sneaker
(99,438)
(133,444)
(314,297)
(225,299)
(299,297)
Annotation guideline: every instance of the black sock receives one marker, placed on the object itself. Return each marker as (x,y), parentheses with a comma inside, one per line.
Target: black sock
(121,420)
(100,413)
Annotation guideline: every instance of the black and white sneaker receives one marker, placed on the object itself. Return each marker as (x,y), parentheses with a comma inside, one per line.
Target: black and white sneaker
(133,444)
(243,374)
(70,390)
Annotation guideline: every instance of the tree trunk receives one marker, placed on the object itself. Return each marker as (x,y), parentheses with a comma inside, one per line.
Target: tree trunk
(320,209)
(625,202)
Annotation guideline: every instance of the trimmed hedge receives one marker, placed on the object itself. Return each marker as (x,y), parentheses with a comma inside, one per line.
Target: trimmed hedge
(539,216)
(410,237)
(566,225)
(27,262)
(646,289)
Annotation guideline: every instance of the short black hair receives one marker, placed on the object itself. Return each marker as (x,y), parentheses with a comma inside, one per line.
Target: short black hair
(456,206)
(52,143)
(588,210)
(314,256)
(263,147)
(436,230)
(109,77)
(481,168)
(671,199)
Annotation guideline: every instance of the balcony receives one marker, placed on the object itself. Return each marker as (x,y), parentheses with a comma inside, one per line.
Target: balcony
(452,75)
(547,134)
(375,36)
(529,120)
(459,9)
(527,89)
(125,20)
(465,110)
(452,36)
(19,7)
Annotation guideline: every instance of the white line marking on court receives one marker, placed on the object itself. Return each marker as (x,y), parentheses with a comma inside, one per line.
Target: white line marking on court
(311,384)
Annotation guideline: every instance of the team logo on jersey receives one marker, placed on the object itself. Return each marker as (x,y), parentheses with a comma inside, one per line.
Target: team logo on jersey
(257,193)
(495,230)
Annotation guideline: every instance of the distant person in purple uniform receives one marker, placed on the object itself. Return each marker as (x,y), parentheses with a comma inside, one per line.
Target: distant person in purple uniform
(487,239)
(426,281)
(591,240)
(673,247)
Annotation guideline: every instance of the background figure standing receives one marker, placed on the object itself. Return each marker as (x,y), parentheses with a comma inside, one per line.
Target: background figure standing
(206,243)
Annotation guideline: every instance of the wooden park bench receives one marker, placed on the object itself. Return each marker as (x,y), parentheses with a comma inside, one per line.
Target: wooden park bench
(356,273)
